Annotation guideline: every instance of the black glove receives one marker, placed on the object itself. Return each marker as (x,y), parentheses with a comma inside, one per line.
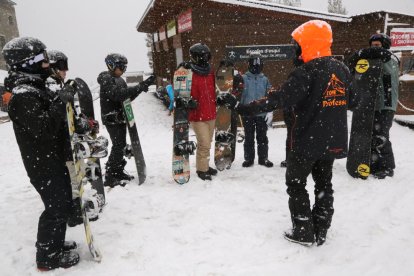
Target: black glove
(68,91)
(143,86)
(185,64)
(228,100)
(374,53)
(186,104)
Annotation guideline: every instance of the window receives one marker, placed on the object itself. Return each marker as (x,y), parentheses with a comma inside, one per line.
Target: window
(11,20)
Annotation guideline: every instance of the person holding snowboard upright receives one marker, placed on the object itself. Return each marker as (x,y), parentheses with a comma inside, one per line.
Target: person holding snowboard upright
(113,92)
(39,122)
(203,116)
(382,156)
(256,86)
(319,91)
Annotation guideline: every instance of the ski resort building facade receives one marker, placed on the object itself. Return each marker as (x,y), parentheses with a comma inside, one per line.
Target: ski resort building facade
(244,25)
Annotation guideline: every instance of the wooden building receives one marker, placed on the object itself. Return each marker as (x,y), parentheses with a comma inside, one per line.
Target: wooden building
(177,24)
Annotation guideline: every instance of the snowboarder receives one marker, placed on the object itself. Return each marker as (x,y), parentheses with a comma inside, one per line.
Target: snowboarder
(58,64)
(203,117)
(256,86)
(113,92)
(319,135)
(39,120)
(382,156)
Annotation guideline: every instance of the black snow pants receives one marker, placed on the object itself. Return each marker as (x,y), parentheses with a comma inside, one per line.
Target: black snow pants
(298,169)
(252,125)
(56,194)
(116,162)
(382,156)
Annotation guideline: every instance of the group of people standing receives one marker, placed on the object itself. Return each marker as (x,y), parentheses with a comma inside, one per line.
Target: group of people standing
(317,133)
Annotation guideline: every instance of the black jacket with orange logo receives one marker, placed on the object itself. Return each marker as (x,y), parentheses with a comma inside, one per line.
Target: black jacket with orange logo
(319,90)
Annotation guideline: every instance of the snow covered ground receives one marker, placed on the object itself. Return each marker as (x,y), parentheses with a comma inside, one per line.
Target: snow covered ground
(232,225)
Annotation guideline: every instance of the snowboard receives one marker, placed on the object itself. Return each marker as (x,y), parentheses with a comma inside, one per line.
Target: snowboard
(182,147)
(135,143)
(226,121)
(81,179)
(93,164)
(365,87)
(406,123)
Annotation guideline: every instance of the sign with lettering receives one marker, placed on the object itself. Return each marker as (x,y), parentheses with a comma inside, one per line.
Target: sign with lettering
(185,22)
(402,37)
(268,52)
(171,28)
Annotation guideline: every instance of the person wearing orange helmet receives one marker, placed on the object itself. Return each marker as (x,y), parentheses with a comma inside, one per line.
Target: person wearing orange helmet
(319,89)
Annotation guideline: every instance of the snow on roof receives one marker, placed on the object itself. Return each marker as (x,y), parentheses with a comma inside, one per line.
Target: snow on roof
(382,11)
(287,9)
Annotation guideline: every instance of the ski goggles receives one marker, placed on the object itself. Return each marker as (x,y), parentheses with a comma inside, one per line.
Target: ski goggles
(42,57)
(256,61)
(61,65)
(121,67)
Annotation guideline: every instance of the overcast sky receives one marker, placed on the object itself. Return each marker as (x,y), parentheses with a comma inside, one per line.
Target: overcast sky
(87,30)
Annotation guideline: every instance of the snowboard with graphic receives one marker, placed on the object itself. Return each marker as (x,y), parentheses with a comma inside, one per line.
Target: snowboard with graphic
(365,87)
(81,179)
(182,147)
(94,171)
(135,143)
(226,121)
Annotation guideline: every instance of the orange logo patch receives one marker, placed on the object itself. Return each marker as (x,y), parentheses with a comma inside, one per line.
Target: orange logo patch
(334,90)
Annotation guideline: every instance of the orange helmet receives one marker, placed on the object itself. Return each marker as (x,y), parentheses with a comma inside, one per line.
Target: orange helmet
(315,39)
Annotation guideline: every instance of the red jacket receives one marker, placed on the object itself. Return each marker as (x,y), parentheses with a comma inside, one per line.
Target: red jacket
(203,90)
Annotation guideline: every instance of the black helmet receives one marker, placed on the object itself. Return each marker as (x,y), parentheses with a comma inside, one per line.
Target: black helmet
(255,62)
(200,54)
(25,54)
(58,60)
(114,61)
(383,38)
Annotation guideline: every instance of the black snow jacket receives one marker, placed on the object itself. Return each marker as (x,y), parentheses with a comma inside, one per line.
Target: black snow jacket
(112,94)
(39,122)
(319,91)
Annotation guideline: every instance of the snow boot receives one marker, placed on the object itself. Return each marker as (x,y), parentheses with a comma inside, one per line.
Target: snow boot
(125,176)
(64,259)
(112,181)
(302,231)
(204,175)
(212,171)
(247,163)
(283,164)
(266,163)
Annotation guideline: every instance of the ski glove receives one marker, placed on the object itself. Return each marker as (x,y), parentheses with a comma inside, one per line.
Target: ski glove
(269,119)
(143,86)
(228,100)
(67,93)
(374,53)
(186,104)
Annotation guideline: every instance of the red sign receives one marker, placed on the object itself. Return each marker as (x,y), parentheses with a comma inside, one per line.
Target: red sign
(402,37)
(161,33)
(185,22)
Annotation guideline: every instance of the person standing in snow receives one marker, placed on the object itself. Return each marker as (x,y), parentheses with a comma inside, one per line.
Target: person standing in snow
(113,92)
(256,86)
(382,156)
(202,116)
(319,131)
(39,123)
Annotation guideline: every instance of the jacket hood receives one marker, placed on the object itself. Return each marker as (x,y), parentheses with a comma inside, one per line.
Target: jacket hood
(315,39)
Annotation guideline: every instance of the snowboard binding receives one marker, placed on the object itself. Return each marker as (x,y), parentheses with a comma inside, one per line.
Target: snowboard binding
(224,137)
(185,148)
(86,147)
